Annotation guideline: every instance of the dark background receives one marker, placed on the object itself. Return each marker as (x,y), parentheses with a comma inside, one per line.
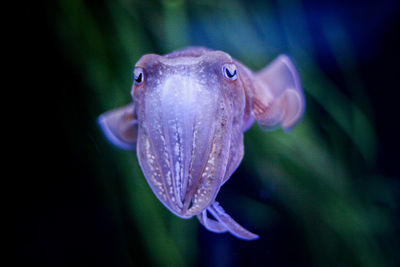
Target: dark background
(325,194)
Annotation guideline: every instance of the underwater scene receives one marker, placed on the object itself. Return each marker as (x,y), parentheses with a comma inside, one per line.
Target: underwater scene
(323,191)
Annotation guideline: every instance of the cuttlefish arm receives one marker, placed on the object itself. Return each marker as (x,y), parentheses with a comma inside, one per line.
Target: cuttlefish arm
(121,126)
(223,223)
(276,96)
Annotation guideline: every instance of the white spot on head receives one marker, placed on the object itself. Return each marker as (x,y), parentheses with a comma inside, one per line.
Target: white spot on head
(180,61)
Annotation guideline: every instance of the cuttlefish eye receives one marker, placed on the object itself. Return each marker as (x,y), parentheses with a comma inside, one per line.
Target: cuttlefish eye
(229,71)
(138,75)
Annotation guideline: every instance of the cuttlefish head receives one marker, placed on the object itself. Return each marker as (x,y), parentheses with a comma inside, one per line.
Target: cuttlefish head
(188,105)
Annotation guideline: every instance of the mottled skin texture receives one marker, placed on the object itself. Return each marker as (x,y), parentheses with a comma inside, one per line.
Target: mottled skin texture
(187,121)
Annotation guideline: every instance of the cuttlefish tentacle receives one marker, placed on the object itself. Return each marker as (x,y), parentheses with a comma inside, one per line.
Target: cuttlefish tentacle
(224,223)
(211,224)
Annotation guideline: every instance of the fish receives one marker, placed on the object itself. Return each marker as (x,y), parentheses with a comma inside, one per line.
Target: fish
(186,121)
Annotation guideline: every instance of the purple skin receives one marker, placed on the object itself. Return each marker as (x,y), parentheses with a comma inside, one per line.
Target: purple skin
(186,122)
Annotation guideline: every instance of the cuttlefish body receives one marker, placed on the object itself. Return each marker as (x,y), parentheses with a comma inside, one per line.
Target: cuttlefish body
(189,112)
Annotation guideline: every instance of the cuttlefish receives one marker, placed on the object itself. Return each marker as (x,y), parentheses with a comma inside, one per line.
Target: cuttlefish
(186,121)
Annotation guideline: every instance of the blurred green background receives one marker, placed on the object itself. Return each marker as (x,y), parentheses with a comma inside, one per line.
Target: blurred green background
(325,194)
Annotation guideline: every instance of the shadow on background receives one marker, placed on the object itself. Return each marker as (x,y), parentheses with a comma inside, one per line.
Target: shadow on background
(325,194)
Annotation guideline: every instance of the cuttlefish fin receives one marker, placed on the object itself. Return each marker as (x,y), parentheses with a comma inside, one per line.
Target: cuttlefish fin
(223,223)
(277,99)
(120,126)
